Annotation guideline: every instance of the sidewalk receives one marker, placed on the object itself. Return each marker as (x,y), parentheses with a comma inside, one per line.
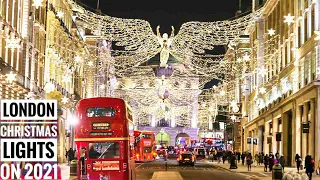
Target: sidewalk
(257,172)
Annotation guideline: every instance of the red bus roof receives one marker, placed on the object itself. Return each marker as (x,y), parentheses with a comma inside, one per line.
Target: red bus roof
(106,127)
(100,101)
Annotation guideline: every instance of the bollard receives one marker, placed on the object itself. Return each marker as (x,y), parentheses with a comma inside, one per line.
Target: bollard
(166,164)
(277,172)
(73,167)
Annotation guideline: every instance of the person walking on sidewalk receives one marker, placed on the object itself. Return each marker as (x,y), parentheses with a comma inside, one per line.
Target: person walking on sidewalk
(249,161)
(298,161)
(224,157)
(266,163)
(261,156)
(239,156)
(243,156)
(282,161)
(271,162)
(256,158)
(70,155)
(309,166)
(277,155)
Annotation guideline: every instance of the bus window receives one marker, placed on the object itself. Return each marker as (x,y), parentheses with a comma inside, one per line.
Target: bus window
(146,136)
(147,149)
(100,112)
(104,150)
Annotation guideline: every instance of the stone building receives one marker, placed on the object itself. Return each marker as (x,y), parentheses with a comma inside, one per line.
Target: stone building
(282,93)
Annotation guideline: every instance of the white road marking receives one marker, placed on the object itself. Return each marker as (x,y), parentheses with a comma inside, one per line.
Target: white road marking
(139,165)
(263,174)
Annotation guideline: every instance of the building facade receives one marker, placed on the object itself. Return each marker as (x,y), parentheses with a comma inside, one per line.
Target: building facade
(38,49)
(281,99)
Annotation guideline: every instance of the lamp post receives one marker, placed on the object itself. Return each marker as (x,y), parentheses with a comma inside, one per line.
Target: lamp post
(161,133)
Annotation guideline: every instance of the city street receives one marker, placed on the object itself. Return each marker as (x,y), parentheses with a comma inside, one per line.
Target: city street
(202,170)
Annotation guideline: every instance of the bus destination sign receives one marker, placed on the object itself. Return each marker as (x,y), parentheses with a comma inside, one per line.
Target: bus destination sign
(100,133)
(101,126)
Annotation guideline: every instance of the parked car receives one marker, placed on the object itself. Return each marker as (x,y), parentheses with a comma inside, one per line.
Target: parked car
(186,158)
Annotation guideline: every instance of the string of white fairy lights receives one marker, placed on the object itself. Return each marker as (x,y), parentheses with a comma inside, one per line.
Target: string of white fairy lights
(191,38)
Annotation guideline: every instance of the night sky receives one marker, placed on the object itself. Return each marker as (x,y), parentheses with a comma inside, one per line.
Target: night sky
(167,13)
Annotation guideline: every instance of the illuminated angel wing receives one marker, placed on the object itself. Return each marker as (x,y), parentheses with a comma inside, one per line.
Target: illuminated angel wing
(135,36)
(194,38)
(201,36)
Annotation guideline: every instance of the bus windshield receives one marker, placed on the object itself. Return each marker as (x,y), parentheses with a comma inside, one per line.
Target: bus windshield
(146,136)
(147,149)
(104,150)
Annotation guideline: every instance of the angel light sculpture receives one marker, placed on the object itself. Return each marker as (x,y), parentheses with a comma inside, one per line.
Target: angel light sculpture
(140,43)
(165,43)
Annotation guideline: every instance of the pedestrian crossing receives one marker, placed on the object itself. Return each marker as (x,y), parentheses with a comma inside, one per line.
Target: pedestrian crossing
(253,175)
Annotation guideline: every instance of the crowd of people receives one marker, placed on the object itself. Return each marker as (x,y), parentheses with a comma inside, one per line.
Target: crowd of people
(268,160)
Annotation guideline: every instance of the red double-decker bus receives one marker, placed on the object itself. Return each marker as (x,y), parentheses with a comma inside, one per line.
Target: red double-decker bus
(104,137)
(145,146)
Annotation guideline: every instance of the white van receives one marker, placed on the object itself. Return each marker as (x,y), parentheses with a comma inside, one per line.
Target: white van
(200,152)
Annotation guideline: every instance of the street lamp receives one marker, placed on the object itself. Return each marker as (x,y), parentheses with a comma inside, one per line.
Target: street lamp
(161,133)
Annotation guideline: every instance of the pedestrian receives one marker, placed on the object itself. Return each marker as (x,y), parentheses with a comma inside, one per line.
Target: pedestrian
(224,157)
(298,160)
(70,155)
(309,166)
(318,168)
(243,156)
(82,159)
(277,155)
(249,161)
(239,156)
(271,162)
(256,158)
(261,156)
(282,161)
(266,162)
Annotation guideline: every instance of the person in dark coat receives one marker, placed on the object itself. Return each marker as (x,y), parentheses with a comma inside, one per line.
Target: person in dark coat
(249,161)
(239,156)
(266,162)
(243,156)
(309,166)
(282,161)
(298,161)
(70,155)
(271,162)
